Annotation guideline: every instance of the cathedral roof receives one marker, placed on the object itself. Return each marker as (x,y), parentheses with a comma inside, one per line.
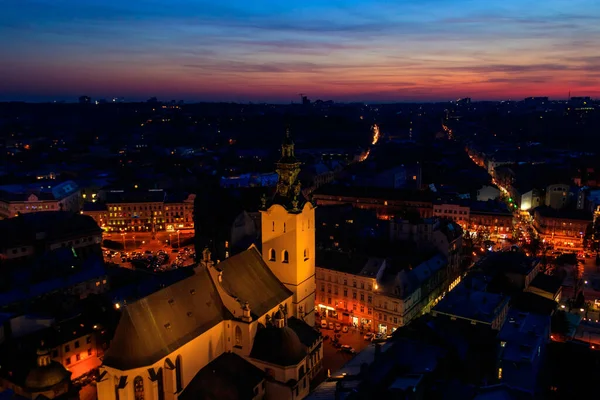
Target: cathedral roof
(246,276)
(279,346)
(157,325)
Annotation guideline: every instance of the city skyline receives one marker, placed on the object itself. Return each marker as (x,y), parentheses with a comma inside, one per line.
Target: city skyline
(431,50)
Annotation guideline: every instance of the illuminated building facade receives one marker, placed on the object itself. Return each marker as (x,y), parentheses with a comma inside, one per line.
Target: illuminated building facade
(386,201)
(566,229)
(23,199)
(288,235)
(346,286)
(135,211)
(256,311)
(179,214)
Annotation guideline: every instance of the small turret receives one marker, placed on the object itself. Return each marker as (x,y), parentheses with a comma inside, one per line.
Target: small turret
(246,314)
(279,319)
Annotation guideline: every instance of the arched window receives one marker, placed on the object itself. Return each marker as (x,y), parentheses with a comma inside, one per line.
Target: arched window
(272,256)
(284,227)
(305,254)
(238,337)
(161,386)
(138,388)
(168,375)
(285,257)
(178,374)
(273,226)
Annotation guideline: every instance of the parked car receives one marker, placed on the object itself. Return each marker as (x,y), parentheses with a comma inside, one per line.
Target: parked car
(368,336)
(347,349)
(380,337)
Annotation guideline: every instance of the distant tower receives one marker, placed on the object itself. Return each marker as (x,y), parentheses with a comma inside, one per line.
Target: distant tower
(288,235)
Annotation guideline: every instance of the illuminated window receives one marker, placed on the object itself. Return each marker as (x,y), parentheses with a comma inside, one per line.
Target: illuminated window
(238,336)
(138,388)
(499,373)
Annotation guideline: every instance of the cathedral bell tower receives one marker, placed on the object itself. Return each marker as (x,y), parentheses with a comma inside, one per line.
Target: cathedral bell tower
(288,235)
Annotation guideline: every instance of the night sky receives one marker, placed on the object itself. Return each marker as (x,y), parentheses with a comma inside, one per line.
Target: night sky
(265,50)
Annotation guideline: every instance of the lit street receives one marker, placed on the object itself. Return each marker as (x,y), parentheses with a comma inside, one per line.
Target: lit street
(333,358)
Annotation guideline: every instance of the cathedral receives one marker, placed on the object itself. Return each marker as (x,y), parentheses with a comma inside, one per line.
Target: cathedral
(242,328)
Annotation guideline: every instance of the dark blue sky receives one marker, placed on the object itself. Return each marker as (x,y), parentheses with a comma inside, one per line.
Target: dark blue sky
(268,50)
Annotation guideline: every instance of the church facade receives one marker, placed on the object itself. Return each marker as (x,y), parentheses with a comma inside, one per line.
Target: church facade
(241,328)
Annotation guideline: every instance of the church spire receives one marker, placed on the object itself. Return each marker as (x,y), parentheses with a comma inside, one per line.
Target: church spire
(288,169)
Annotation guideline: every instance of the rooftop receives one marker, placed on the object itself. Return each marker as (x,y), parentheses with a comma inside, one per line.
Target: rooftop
(471,305)
(489,207)
(549,212)
(523,333)
(157,325)
(227,377)
(342,262)
(507,261)
(41,190)
(135,196)
(27,229)
(373,193)
(547,283)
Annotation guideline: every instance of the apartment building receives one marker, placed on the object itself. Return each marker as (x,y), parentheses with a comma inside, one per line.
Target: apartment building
(43,196)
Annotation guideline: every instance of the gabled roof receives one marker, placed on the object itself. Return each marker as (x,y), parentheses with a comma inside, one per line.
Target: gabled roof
(155,326)
(246,276)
